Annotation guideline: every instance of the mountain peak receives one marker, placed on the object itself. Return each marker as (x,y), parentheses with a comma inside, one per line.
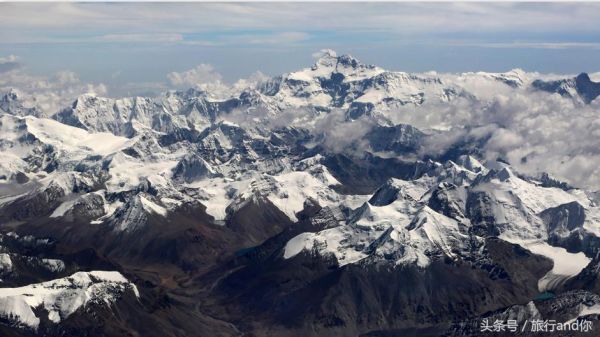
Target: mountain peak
(582,86)
(587,88)
(505,174)
(12,93)
(470,163)
(15,103)
(328,58)
(84,99)
(583,77)
(325,55)
(12,96)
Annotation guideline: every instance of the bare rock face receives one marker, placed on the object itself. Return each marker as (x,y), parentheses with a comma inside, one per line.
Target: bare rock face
(192,168)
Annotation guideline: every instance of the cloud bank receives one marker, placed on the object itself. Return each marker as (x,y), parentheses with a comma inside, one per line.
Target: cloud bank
(48,93)
(535,131)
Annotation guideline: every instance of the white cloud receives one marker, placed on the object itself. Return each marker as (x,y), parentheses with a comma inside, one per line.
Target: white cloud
(8,63)
(324,52)
(254,78)
(342,135)
(66,77)
(202,74)
(535,131)
(8,59)
(503,139)
(204,77)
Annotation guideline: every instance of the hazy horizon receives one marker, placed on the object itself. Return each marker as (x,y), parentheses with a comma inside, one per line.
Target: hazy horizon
(130,48)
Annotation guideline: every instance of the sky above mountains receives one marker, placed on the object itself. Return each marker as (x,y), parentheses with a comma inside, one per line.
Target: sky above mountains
(135,48)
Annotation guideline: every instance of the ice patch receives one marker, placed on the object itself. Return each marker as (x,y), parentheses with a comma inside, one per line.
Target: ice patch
(566,265)
(72,138)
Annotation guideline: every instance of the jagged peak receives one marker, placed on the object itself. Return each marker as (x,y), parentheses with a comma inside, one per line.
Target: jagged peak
(326,57)
(386,194)
(584,77)
(12,94)
(328,62)
(505,174)
(87,96)
(547,180)
(85,100)
(581,87)
(330,59)
(517,71)
(470,163)
(515,78)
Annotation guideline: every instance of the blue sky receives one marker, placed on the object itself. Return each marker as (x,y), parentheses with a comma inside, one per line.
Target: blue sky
(131,47)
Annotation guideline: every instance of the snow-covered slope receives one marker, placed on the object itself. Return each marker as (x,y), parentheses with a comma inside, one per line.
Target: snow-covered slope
(62,297)
(344,82)
(446,213)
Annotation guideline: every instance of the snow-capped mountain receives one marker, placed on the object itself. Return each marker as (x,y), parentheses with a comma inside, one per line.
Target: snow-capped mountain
(298,202)
(344,82)
(449,208)
(10,102)
(41,287)
(580,88)
(333,82)
(62,297)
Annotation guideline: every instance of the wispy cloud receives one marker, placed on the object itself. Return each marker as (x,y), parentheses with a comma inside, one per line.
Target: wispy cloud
(285,37)
(530,45)
(8,63)
(242,38)
(285,21)
(171,37)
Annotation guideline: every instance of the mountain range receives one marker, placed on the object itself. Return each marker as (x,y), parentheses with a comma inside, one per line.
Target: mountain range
(298,206)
